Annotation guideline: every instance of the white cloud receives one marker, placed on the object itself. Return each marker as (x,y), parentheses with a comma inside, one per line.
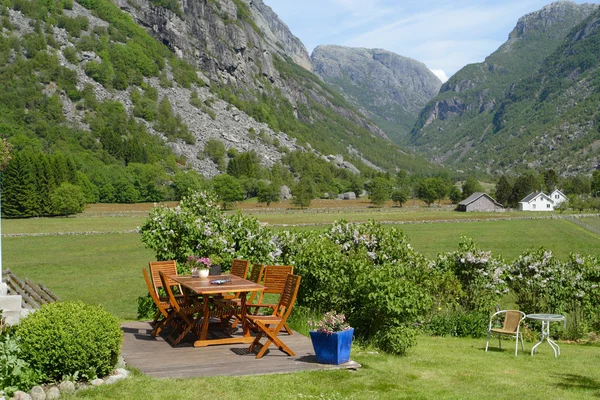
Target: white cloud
(440,74)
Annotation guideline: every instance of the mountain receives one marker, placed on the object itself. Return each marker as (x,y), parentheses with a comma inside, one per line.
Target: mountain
(252,60)
(385,86)
(122,98)
(467,126)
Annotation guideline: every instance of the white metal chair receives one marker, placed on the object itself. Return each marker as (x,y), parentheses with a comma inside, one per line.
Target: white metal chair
(511,326)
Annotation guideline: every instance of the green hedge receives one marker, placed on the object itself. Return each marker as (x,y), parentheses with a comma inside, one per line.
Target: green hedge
(68,338)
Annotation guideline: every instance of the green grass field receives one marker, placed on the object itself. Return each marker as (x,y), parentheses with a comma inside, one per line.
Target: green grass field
(506,238)
(81,223)
(437,368)
(594,222)
(99,269)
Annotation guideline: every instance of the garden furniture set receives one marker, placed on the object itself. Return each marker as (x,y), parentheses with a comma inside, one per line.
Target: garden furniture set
(512,327)
(201,302)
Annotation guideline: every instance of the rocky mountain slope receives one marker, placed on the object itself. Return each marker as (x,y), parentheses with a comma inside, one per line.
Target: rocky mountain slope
(152,82)
(467,126)
(250,59)
(385,86)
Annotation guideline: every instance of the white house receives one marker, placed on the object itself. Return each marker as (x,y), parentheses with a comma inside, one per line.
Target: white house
(537,201)
(557,197)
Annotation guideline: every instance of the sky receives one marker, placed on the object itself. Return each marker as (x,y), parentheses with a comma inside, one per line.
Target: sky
(445,35)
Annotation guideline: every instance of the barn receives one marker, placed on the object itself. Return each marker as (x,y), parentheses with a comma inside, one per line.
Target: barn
(479,202)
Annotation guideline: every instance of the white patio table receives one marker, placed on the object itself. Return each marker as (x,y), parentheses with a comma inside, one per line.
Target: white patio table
(546,319)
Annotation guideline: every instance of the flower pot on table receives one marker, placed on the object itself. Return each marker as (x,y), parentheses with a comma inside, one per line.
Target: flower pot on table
(333,348)
(204,273)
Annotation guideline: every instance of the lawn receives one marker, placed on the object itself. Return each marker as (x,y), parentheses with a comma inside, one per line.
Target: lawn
(437,368)
(99,269)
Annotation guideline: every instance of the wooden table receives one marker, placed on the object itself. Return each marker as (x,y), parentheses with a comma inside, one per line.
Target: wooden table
(203,287)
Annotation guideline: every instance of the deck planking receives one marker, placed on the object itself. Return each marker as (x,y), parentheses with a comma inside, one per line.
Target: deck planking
(157,358)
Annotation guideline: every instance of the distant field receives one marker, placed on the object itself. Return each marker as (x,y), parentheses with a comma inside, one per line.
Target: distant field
(506,238)
(73,224)
(594,222)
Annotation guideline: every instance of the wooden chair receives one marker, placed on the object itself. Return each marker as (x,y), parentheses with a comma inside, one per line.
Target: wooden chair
(240,268)
(274,281)
(163,307)
(169,268)
(181,314)
(255,276)
(270,325)
(511,326)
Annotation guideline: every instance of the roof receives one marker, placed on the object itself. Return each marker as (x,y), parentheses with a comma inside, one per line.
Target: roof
(534,195)
(556,190)
(475,196)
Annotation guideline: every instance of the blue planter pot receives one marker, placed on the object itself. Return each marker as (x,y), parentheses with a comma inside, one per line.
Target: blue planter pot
(333,348)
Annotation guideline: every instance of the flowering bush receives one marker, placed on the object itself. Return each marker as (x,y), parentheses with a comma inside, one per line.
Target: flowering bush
(198,226)
(481,276)
(371,274)
(331,322)
(539,281)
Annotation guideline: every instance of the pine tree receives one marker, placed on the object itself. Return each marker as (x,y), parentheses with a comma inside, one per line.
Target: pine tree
(303,192)
(503,190)
(44,182)
(19,197)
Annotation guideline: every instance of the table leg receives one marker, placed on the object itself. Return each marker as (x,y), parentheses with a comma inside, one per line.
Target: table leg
(541,340)
(206,316)
(245,326)
(546,335)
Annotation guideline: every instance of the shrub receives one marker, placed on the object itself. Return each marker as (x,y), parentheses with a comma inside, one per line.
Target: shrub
(65,338)
(397,339)
(481,276)
(539,282)
(15,372)
(146,308)
(198,226)
(458,323)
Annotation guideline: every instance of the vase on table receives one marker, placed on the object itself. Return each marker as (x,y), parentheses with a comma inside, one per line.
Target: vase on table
(332,348)
(204,272)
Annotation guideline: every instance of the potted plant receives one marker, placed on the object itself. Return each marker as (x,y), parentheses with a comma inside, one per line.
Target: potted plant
(215,268)
(331,338)
(199,266)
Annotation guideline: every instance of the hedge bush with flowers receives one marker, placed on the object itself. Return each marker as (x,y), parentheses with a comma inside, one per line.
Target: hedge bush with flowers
(385,288)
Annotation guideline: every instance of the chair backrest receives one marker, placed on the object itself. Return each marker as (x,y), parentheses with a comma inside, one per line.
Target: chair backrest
(256,276)
(288,296)
(512,319)
(275,277)
(167,287)
(240,268)
(169,268)
(152,291)
(256,273)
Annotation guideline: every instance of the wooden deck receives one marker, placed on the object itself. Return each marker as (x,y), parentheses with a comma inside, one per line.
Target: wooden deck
(156,357)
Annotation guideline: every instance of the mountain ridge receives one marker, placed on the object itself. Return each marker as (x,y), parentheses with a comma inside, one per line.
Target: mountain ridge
(388,87)
(453,125)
